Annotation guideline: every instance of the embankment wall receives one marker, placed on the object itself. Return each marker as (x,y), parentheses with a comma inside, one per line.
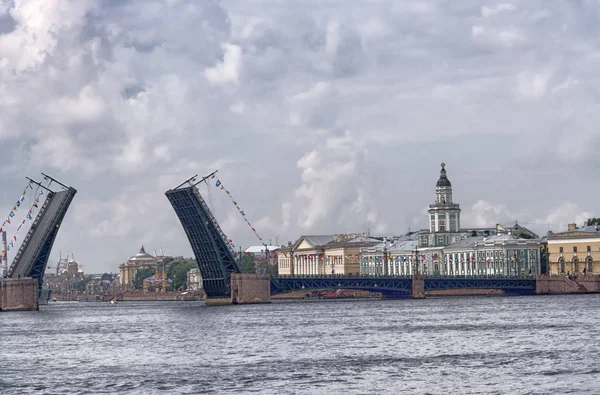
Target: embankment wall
(557,285)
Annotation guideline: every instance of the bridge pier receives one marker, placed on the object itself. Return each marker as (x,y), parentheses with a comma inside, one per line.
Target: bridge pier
(418,287)
(246,288)
(19,294)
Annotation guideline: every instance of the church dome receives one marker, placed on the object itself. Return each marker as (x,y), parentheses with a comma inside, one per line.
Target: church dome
(142,256)
(443,180)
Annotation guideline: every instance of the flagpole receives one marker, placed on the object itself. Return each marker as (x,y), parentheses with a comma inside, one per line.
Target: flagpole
(4,255)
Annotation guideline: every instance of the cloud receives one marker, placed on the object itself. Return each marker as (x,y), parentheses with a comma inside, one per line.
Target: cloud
(228,70)
(498,8)
(319,117)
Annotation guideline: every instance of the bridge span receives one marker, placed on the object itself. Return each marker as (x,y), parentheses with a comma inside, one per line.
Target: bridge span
(402,286)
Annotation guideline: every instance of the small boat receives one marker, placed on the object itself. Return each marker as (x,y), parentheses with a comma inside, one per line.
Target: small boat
(113,301)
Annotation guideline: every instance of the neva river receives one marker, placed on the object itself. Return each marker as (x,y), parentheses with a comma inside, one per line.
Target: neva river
(491,345)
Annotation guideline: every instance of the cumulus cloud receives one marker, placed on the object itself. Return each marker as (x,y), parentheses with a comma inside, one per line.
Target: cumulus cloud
(227,70)
(320,117)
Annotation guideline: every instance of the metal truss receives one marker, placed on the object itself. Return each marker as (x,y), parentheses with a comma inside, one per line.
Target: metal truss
(32,257)
(516,284)
(214,254)
(399,286)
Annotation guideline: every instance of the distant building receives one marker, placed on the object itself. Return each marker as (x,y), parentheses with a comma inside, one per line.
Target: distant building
(194,280)
(324,255)
(575,251)
(395,257)
(128,270)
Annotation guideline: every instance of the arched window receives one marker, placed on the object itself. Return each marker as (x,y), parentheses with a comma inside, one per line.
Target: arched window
(561,264)
(589,263)
(575,265)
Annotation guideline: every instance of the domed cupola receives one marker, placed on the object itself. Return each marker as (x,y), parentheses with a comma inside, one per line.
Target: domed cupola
(443,181)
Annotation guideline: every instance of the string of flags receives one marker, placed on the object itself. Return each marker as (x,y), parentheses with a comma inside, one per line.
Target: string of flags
(15,207)
(29,216)
(219,184)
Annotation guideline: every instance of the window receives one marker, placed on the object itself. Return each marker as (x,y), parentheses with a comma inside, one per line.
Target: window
(561,250)
(589,264)
(589,248)
(442,224)
(561,263)
(575,265)
(574,248)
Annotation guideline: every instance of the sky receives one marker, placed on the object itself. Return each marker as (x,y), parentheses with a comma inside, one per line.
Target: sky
(320,116)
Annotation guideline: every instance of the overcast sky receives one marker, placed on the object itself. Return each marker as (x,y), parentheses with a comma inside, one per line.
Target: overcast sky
(321,116)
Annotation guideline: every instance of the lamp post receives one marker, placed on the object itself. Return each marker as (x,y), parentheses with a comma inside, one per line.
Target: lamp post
(385,257)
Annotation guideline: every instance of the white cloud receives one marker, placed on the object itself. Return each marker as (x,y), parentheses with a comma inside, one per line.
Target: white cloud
(532,86)
(228,70)
(491,11)
(320,117)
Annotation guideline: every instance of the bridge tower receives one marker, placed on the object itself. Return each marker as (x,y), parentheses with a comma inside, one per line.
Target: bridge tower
(213,251)
(32,257)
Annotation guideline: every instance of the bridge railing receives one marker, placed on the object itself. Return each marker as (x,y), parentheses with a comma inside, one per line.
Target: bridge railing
(489,277)
(214,220)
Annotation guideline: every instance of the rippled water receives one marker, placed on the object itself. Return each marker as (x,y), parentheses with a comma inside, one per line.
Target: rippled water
(503,345)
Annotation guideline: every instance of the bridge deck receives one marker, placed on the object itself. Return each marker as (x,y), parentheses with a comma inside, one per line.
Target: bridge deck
(213,252)
(399,285)
(32,257)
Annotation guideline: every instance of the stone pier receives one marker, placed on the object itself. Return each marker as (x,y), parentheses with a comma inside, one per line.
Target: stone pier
(418,287)
(19,294)
(246,288)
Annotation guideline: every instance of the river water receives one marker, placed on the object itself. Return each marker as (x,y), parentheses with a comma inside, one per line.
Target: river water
(475,345)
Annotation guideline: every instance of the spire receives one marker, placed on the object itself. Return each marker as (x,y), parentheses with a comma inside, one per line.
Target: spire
(142,249)
(443,180)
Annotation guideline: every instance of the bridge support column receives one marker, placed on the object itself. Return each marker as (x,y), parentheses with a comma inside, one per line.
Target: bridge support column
(418,286)
(246,288)
(19,294)
(250,288)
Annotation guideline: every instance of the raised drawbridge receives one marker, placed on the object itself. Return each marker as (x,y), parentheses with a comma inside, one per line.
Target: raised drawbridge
(213,251)
(32,257)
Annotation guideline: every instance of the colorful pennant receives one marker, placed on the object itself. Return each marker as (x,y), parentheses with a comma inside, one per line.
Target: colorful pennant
(220,184)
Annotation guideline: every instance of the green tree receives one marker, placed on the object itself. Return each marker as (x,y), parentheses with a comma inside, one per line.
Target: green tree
(592,221)
(107,276)
(141,275)
(523,235)
(248,264)
(177,272)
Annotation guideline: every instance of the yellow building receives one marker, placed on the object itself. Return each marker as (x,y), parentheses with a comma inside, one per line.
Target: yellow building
(141,260)
(323,255)
(576,251)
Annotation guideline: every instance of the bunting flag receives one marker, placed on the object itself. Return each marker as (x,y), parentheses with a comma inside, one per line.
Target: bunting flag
(29,215)
(17,204)
(220,184)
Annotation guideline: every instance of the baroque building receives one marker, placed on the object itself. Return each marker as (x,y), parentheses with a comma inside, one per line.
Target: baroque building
(444,216)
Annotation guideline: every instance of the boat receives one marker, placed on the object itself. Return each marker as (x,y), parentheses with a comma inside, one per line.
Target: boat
(113,301)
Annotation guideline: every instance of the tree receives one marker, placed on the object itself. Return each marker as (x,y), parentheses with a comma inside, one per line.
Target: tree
(248,264)
(593,221)
(141,275)
(177,272)
(523,235)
